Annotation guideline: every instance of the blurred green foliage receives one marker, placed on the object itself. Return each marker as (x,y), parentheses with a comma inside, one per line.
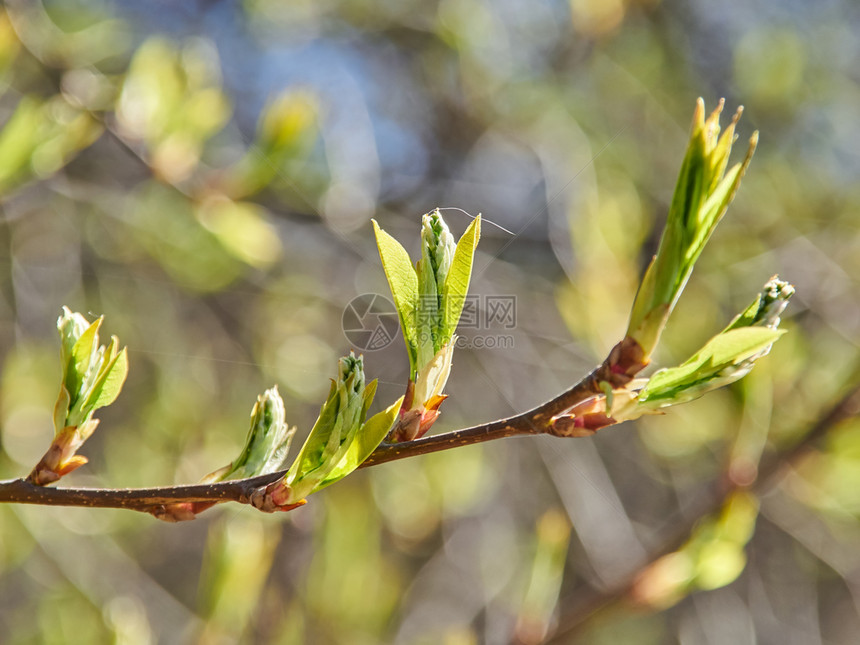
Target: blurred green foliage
(204,176)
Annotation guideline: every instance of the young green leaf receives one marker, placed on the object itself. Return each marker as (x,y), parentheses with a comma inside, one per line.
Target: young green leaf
(404,287)
(702,194)
(720,354)
(110,380)
(456,285)
(92,378)
(84,353)
(367,396)
(267,444)
(725,358)
(71,326)
(430,300)
(310,454)
(338,443)
(367,439)
(728,356)
(339,420)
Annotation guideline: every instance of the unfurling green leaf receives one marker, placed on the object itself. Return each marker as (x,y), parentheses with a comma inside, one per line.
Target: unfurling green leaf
(93,376)
(403,282)
(725,358)
(110,379)
(365,442)
(726,355)
(456,285)
(268,441)
(429,300)
(339,419)
(702,195)
(84,352)
(338,443)
(71,327)
(430,296)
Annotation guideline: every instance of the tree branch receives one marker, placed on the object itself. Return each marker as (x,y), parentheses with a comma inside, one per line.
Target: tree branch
(155,500)
(533,422)
(22,491)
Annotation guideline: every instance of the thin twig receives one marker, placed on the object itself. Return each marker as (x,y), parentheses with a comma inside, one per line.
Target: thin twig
(22,491)
(535,421)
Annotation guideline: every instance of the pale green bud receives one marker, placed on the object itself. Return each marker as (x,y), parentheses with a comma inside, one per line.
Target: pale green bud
(268,441)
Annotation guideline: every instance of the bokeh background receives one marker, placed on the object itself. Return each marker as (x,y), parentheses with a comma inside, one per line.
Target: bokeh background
(204,174)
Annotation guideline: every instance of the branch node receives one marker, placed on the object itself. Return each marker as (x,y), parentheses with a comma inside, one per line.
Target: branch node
(272,498)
